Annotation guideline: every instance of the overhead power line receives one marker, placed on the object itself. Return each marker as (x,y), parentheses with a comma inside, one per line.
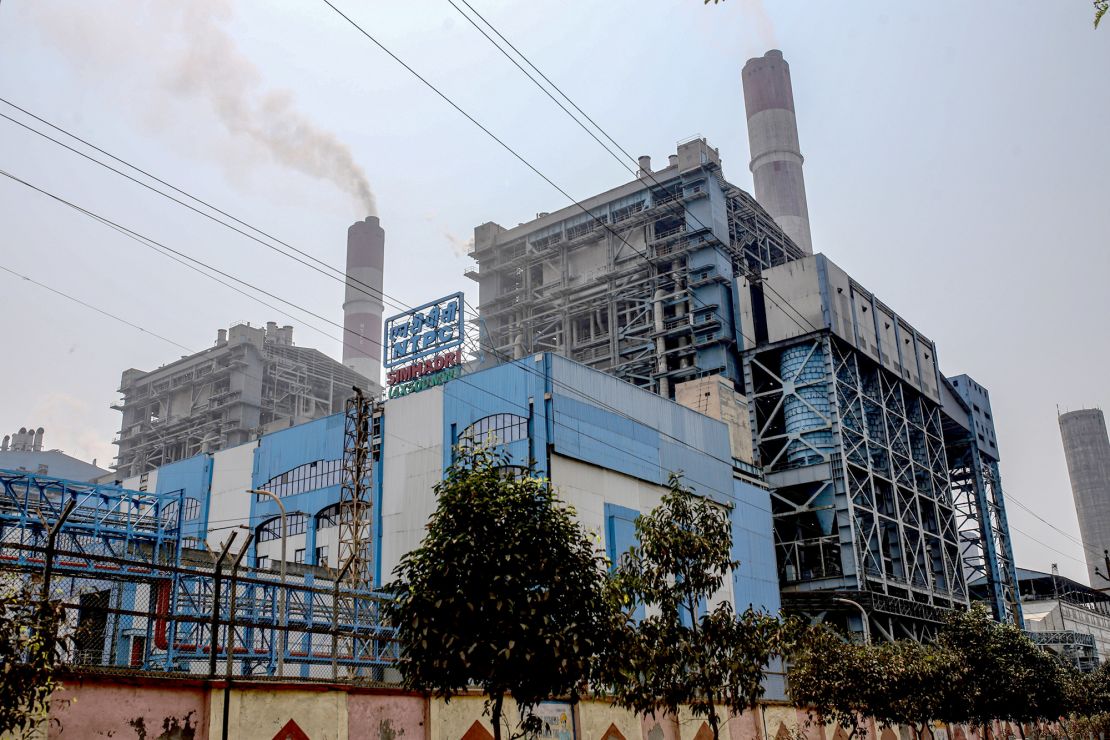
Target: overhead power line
(91,307)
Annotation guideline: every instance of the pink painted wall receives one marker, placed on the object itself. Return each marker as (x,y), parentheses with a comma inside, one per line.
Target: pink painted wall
(156,711)
(387,717)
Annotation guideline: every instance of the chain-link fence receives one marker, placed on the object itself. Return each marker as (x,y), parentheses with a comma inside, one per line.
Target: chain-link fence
(204,619)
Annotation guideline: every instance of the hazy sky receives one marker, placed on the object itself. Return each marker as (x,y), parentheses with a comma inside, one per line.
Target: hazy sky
(956,164)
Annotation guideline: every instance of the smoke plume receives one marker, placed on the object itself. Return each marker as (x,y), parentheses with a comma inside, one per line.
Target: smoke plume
(186,51)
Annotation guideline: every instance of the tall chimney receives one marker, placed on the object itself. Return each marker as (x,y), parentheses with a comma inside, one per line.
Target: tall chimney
(1087,452)
(773,139)
(362,309)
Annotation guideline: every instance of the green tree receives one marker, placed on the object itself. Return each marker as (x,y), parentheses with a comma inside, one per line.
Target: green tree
(1101,7)
(28,659)
(1001,674)
(916,686)
(684,654)
(837,680)
(506,592)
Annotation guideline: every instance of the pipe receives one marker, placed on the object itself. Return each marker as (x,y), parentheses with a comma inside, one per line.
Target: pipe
(863,615)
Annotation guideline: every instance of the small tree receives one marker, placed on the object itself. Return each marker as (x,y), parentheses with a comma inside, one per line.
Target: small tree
(682,653)
(835,679)
(28,659)
(506,592)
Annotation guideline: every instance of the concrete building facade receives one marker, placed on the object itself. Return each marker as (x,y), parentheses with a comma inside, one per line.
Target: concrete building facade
(252,381)
(1087,451)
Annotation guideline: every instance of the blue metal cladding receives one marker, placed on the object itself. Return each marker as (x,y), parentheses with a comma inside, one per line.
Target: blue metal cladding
(193,477)
(284,450)
(804,367)
(620,535)
(636,432)
(512,388)
(755,583)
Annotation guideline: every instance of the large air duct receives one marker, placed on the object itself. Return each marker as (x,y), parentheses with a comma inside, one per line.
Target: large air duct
(362,309)
(773,139)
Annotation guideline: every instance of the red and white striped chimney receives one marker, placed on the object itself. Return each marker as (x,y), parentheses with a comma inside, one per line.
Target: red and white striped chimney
(362,309)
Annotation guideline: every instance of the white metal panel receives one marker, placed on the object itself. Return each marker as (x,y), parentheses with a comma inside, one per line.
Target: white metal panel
(230,504)
(412,463)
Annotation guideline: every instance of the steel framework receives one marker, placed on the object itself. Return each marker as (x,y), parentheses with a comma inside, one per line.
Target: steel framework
(356,496)
(856,461)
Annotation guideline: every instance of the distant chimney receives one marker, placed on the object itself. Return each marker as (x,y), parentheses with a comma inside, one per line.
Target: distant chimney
(4,445)
(221,337)
(773,139)
(645,165)
(38,439)
(672,160)
(362,309)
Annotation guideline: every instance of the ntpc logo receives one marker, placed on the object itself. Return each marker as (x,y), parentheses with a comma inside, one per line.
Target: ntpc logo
(423,331)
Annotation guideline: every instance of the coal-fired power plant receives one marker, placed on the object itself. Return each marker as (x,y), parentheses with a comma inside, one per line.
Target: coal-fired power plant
(362,307)
(773,139)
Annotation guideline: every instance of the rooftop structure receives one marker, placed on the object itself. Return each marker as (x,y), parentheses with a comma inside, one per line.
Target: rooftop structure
(253,380)
(23,451)
(1087,450)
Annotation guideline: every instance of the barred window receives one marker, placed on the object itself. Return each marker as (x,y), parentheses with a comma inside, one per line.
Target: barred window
(331,516)
(496,429)
(303,478)
(295,523)
(192,509)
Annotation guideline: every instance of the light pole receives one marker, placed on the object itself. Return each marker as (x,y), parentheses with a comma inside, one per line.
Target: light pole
(284,617)
(863,615)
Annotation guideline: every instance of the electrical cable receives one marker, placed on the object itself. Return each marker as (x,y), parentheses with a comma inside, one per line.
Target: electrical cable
(91,307)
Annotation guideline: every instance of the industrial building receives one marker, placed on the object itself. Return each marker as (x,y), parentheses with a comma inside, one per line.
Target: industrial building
(24,450)
(251,381)
(255,380)
(1067,617)
(610,459)
(884,474)
(1087,451)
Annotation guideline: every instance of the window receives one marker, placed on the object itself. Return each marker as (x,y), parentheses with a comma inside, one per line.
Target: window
(298,556)
(263,563)
(331,516)
(295,523)
(193,543)
(322,556)
(308,477)
(192,509)
(497,429)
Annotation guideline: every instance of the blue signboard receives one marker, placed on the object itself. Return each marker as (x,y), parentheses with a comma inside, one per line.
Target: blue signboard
(424,331)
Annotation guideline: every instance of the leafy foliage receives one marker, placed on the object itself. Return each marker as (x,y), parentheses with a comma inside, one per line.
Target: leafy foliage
(676,656)
(1101,7)
(506,591)
(1001,674)
(916,686)
(836,679)
(28,659)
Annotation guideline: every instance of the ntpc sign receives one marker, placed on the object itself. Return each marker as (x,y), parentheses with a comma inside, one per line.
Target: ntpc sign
(424,331)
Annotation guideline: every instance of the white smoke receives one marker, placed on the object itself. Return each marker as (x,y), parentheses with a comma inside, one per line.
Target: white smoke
(184,50)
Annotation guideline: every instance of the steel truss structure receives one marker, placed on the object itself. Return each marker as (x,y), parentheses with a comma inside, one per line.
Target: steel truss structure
(641,287)
(861,493)
(135,599)
(356,503)
(981,519)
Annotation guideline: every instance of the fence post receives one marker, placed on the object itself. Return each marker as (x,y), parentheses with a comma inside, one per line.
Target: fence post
(335,617)
(46,611)
(229,643)
(217,580)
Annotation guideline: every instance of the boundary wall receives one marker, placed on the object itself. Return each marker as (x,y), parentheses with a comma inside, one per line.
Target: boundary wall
(148,708)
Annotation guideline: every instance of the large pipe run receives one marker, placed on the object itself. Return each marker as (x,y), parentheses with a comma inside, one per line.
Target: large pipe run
(773,139)
(362,309)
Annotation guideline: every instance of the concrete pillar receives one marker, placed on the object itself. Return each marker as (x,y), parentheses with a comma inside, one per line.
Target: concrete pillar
(773,139)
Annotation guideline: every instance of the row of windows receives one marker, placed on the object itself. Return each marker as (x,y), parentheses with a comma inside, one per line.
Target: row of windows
(496,429)
(308,477)
(263,561)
